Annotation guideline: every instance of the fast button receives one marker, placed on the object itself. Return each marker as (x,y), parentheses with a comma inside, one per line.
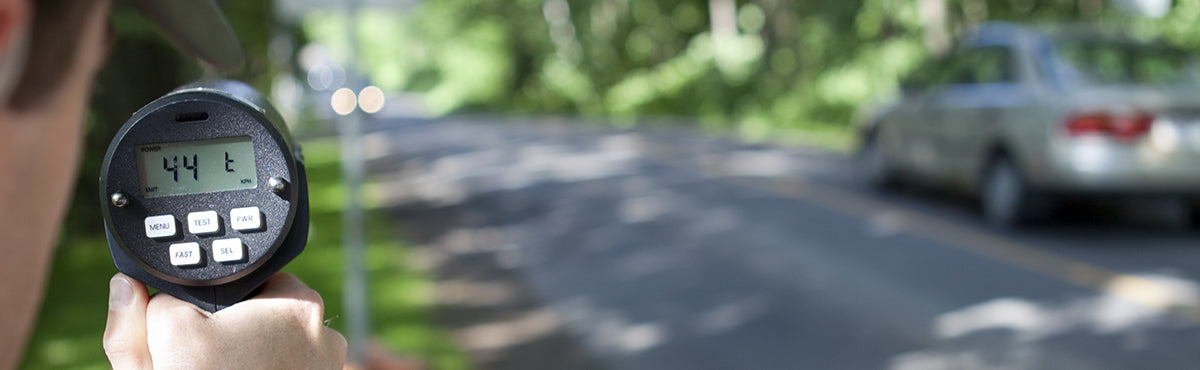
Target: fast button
(185,254)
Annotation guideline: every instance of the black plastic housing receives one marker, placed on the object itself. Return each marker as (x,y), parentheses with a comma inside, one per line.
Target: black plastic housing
(201,111)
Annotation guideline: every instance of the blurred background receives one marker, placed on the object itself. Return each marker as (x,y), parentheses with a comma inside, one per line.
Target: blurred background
(716,184)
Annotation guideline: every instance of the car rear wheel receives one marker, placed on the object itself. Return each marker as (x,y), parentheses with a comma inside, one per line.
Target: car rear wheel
(1005,196)
(873,167)
(1192,213)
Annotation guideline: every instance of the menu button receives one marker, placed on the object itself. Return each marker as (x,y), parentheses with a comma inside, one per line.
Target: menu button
(161,226)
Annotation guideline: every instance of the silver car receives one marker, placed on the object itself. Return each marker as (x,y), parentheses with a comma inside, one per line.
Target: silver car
(1024,118)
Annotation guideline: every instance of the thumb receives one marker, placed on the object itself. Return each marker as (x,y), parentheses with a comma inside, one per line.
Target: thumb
(125,331)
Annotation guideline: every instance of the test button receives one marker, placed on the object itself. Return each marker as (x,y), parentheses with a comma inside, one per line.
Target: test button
(245,219)
(203,222)
(227,250)
(161,226)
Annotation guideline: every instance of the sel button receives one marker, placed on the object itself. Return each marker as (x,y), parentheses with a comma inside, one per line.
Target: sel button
(161,226)
(203,222)
(247,218)
(227,250)
(185,254)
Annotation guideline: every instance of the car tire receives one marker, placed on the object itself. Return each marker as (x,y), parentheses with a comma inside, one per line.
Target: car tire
(1192,213)
(873,167)
(1004,195)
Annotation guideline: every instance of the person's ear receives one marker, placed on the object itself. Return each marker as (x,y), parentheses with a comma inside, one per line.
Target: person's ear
(15,19)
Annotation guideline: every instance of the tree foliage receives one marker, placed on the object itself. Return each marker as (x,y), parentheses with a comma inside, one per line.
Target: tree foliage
(787,64)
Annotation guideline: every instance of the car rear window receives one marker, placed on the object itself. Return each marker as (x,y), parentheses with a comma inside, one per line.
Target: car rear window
(1128,63)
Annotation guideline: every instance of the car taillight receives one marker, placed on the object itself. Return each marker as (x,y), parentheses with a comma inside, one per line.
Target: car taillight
(1123,127)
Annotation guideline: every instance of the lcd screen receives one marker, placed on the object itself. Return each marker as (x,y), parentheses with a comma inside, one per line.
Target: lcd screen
(192,167)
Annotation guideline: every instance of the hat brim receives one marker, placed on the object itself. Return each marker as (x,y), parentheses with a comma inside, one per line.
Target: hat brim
(199,28)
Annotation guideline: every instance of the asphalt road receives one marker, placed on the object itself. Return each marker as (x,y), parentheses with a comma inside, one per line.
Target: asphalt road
(562,245)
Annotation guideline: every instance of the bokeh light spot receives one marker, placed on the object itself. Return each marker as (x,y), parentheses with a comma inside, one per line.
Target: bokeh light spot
(751,18)
(370,99)
(343,101)
(686,17)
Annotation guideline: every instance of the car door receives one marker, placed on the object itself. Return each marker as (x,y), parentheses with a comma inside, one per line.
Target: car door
(974,107)
(920,117)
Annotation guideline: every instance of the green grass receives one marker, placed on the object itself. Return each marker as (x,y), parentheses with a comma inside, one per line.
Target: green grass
(72,317)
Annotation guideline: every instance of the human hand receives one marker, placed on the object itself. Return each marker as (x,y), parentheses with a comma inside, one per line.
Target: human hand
(280,328)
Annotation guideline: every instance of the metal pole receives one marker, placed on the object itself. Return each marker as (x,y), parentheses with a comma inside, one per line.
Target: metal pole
(355,288)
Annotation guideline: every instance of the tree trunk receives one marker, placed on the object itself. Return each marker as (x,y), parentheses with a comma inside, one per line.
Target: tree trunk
(933,20)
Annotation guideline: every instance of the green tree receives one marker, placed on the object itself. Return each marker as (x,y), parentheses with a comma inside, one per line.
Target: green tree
(757,65)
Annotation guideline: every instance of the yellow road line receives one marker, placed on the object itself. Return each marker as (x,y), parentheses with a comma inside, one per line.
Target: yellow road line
(1130,288)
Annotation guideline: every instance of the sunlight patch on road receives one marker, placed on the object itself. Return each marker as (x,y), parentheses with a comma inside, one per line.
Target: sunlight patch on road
(1023,317)
(885,224)
(730,315)
(758,163)
(452,179)
(460,292)
(608,331)
(395,190)
(1157,291)
(503,334)
(639,338)
(764,163)
(623,146)
(941,361)
(1030,321)
(468,240)
(646,208)
(1009,332)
